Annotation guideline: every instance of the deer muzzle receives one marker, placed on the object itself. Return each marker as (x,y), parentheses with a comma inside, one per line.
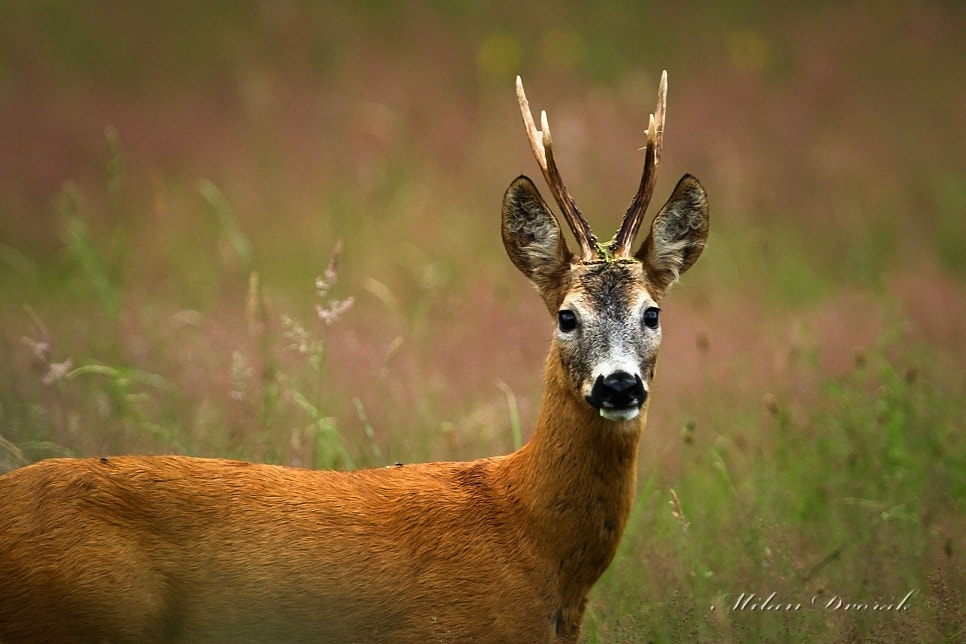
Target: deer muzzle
(618,396)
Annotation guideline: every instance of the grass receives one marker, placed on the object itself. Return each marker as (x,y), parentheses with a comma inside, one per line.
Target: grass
(160,242)
(841,509)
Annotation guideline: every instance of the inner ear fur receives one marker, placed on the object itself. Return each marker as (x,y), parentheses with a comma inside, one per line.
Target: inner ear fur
(533,240)
(678,234)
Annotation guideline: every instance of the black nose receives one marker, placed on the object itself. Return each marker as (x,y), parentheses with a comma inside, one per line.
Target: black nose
(619,390)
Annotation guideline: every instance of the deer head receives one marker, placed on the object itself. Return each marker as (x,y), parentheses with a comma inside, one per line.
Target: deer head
(605,298)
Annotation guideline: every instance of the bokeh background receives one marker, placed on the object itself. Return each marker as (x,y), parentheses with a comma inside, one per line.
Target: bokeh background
(174,177)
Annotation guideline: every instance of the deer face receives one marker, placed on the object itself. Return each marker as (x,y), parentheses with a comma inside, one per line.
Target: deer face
(606,310)
(605,299)
(607,336)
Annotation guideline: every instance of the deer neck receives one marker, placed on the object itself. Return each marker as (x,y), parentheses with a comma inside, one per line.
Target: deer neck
(576,478)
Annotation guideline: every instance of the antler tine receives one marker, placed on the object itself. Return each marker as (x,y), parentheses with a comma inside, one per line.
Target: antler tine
(542,145)
(621,246)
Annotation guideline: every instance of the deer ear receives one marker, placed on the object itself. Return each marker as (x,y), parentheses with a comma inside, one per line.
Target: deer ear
(533,241)
(677,235)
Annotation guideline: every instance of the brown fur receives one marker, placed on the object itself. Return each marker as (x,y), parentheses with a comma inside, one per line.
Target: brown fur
(178,549)
(504,549)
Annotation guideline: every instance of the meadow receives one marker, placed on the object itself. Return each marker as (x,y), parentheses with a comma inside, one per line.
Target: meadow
(176,180)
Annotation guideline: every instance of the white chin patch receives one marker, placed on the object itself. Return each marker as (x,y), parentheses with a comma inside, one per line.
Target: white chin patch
(620,414)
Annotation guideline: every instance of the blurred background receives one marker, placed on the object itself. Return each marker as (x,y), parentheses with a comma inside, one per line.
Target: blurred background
(174,177)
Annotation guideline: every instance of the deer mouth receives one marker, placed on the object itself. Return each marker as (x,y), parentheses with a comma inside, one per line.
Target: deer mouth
(627,413)
(618,396)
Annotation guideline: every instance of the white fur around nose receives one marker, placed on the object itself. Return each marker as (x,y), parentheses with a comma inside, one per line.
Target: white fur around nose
(611,366)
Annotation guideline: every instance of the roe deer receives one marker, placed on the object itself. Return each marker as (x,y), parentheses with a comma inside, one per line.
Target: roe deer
(503,549)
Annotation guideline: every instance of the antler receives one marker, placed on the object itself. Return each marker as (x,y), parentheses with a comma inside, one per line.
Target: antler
(621,246)
(542,145)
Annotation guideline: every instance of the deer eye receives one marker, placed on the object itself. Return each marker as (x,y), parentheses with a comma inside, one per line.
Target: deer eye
(651,317)
(566,321)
